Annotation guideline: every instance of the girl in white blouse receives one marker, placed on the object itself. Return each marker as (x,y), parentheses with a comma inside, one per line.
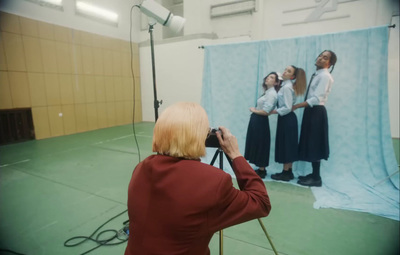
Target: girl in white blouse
(258,138)
(286,141)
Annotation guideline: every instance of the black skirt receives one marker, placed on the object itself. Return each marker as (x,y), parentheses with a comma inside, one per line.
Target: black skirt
(314,139)
(286,141)
(258,140)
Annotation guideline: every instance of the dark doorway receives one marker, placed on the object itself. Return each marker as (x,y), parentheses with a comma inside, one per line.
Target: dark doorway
(16,125)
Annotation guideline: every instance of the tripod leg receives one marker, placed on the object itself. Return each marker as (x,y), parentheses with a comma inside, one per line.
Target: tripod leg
(221,242)
(214,157)
(266,234)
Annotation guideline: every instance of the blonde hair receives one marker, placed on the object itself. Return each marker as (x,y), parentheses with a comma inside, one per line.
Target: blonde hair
(181,131)
(300,85)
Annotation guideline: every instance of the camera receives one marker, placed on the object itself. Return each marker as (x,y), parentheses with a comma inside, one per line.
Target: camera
(212,139)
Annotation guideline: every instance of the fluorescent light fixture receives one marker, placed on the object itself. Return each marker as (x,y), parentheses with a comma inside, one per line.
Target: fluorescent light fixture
(234,7)
(56,4)
(155,11)
(96,12)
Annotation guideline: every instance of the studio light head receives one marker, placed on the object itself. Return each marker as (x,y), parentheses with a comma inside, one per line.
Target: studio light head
(154,10)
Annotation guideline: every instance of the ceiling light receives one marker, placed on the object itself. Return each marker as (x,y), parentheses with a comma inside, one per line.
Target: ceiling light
(96,12)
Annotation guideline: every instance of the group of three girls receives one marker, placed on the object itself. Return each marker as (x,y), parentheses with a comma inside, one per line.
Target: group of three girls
(280,99)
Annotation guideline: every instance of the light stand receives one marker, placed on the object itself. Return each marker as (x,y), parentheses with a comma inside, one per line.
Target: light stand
(153,65)
(157,13)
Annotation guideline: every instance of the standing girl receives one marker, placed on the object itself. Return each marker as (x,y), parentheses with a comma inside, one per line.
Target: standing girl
(258,138)
(286,142)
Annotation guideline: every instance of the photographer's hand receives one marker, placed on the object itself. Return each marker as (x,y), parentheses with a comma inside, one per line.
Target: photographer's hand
(228,143)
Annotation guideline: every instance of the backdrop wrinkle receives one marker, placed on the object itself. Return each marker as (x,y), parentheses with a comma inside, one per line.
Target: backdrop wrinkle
(362,155)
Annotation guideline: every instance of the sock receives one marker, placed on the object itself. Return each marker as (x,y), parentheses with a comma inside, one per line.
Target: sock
(315,169)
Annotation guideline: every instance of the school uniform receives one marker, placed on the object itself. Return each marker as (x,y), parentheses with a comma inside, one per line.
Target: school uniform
(258,138)
(286,141)
(314,139)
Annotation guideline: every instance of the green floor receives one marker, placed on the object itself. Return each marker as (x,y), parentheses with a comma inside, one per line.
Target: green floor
(58,188)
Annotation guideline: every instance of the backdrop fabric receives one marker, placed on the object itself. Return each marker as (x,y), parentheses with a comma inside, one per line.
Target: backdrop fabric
(361,173)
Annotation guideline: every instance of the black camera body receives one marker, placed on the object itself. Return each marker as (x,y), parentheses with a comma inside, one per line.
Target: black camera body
(212,139)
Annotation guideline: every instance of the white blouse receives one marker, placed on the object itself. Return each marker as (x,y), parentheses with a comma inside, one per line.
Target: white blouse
(286,98)
(267,102)
(320,88)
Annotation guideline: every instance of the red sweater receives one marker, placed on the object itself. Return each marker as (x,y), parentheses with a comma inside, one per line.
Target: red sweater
(176,205)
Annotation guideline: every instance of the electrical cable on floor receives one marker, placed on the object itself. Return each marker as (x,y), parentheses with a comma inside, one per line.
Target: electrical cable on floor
(120,235)
(133,80)
(4,251)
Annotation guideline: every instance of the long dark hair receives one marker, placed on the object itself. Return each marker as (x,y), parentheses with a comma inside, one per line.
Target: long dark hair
(276,80)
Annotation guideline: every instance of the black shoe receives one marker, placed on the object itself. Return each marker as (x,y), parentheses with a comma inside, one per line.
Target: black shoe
(261,173)
(283,176)
(311,182)
(303,177)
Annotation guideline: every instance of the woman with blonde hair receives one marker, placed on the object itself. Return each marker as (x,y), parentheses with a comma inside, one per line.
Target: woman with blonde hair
(175,202)
(286,141)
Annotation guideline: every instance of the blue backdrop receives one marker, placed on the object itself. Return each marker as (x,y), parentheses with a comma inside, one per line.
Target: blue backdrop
(355,177)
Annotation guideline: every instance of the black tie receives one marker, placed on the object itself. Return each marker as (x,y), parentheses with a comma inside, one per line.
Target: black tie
(309,85)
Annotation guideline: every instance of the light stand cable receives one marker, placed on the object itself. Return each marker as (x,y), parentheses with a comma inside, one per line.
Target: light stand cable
(133,81)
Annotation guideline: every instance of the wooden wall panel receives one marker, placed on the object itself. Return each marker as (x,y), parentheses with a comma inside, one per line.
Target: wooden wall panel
(68,118)
(56,120)
(37,89)
(29,27)
(33,56)
(5,91)
(19,89)
(91,116)
(14,51)
(66,88)
(41,122)
(52,89)
(81,118)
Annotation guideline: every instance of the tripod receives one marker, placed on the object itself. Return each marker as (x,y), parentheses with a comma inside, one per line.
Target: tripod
(219,152)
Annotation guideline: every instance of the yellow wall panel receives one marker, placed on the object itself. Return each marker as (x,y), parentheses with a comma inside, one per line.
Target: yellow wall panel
(109,86)
(116,44)
(64,59)
(55,120)
(136,65)
(9,23)
(5,92)
(66,88)
(19,89)
(101,115)
(100,89)
(126,64)
(68,117)
(98,61)
(14,51)
(29,27)
(81,118)
(79,89)
(87,60)
(128,117)
(138,111)
(117,63)
(107,43)
(46,30)
(48,50)
(77,59)
(92,116)
(118,88)
(111,118)
(37,89)
(62,34)
(86,38)
(97,41)
(41,122)
(52,89)
(33,56)
(108,62)
(119,113)
(90,89)
(3,63)
(127,86)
